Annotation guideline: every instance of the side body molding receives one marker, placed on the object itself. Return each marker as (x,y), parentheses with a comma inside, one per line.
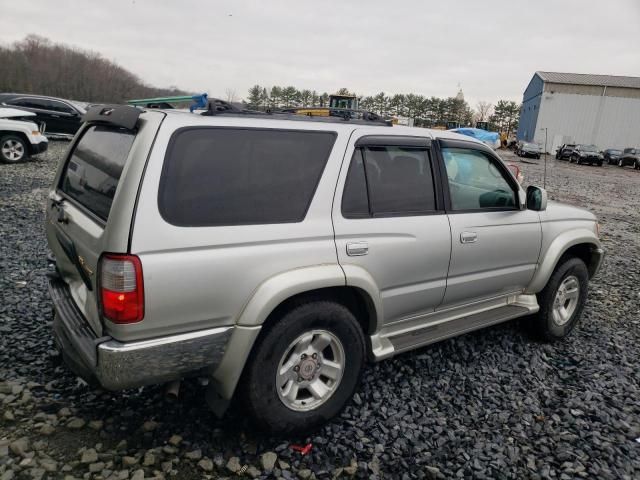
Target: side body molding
(559,245)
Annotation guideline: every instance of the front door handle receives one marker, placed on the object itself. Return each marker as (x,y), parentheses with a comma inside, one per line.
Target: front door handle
(356,249)
(468,237)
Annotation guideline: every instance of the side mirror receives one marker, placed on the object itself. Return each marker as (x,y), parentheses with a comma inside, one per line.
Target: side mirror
(536,198)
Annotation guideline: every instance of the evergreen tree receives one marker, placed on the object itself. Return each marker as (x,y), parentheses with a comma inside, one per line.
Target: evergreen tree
(254,100)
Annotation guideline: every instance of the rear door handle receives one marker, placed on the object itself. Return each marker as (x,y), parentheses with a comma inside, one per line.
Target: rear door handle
(468,237)
(356,249)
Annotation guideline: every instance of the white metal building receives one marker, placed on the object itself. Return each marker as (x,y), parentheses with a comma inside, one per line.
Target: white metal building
(594,109)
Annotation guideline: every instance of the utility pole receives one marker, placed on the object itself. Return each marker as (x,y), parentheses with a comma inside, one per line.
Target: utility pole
(544,179)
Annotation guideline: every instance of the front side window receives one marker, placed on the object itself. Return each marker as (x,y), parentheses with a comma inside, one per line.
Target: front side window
(58,107)
(389,181)
(475,182)
(29,103)
(234,176)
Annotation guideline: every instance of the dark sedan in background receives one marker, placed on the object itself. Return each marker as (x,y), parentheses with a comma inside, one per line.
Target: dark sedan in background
(564,151)
(586,154)
(528,149)
(611,156)
(630,157)
(59,116)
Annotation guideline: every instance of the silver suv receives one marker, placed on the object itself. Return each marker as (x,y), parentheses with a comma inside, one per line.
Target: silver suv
(275,254)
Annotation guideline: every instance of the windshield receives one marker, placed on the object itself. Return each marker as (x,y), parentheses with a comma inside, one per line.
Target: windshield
(531,145)
(589,148)
(82,106)
(615,152)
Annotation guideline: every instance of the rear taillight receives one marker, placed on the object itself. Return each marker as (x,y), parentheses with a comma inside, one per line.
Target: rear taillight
(121,288)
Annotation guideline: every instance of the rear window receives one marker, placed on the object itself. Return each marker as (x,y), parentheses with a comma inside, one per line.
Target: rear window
(229,176)
(92,173)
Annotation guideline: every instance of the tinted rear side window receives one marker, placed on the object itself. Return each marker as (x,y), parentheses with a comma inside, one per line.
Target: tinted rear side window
(228,176)
(92,173)
(389,181)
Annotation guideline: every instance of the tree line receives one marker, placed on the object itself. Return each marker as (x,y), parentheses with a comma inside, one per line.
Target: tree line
(37,65)
(426,111)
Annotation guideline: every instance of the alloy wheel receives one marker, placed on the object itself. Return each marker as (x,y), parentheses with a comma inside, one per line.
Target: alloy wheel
(566,300)
(310,370)
(12,150)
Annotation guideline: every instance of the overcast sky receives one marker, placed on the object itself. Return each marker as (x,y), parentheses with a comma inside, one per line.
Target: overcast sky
(491,48)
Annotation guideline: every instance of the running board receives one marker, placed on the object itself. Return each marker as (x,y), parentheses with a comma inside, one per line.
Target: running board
(385,346)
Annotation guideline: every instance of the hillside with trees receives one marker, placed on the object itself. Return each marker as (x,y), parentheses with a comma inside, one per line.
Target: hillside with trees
(37,65)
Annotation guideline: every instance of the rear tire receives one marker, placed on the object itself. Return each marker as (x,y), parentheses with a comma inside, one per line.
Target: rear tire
(620,163)
(292,347)
(562,300)
(13,149)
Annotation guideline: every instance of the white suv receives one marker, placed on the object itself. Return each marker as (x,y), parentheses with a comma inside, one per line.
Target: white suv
(20,137)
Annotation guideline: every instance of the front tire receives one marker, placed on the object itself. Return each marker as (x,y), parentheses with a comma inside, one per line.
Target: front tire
(13,149)
(304,368)
(562,300)
(620,163)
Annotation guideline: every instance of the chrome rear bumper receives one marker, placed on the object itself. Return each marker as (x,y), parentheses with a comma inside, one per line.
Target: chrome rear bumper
(118,365)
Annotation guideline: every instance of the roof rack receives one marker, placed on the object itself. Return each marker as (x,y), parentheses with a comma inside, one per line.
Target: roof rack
(318,114)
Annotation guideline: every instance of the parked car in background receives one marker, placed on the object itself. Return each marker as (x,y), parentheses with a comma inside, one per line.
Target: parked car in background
(564,151)
(630,158)
(19,136)
(317,244)
(528,149)
(58,116)
(586,154)
(611,156)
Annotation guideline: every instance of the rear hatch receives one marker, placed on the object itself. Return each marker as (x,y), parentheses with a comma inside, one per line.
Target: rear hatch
(91,204)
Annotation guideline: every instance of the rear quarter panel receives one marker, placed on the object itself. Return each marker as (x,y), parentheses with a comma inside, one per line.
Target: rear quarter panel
(203,277)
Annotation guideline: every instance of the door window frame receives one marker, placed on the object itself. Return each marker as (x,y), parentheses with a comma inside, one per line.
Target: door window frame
(493,158)
(414,142)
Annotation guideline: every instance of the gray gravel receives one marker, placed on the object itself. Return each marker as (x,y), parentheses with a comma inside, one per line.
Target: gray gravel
(492,404)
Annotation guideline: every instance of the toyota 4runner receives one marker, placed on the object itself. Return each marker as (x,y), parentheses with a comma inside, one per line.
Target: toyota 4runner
(276,253)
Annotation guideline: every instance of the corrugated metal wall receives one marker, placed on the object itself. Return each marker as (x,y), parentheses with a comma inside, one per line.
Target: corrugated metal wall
(606,121)
(530,109)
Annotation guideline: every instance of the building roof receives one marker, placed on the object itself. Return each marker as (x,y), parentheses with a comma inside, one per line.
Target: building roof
(589,79)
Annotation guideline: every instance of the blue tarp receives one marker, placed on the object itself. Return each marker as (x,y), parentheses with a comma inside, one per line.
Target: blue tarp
(482,135)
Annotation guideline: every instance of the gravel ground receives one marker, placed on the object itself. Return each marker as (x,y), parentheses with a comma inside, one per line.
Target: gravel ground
(494,404)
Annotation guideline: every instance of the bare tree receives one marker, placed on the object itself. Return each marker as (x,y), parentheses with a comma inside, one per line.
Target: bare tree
(484,110)
(231,95)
